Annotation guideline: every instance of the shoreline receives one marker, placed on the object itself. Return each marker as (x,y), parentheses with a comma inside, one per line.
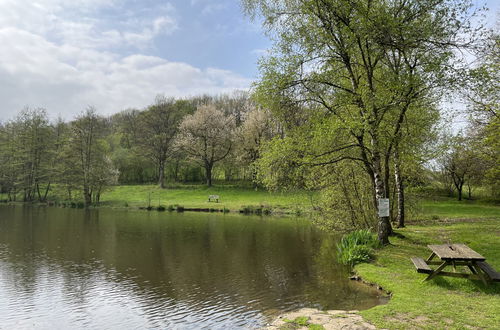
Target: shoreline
(252,210)
(312,318)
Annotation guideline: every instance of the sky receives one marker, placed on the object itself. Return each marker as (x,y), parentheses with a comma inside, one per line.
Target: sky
(66,55)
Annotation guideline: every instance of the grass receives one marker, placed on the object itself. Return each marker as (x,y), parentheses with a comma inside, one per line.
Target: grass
(248,200)
(196,196)
(448,208)
(301,322)
(443,302)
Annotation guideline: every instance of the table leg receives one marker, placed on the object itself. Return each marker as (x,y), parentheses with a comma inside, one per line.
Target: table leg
(479,273)
(431,256)
(436,272)
(473,271)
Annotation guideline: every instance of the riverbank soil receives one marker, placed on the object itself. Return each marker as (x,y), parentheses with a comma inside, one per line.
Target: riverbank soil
(313,319)
(443,302)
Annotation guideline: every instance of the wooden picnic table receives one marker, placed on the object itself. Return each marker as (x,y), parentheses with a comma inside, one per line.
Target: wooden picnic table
(456,255)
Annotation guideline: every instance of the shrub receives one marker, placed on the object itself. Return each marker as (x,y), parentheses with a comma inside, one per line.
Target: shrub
(357,247)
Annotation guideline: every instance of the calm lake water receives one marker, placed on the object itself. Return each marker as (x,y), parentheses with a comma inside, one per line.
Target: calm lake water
(108,269)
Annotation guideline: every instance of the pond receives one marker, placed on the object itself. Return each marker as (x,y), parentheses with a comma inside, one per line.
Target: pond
(115,269)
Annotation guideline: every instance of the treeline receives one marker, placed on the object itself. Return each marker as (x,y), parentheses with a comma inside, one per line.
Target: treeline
(183,140)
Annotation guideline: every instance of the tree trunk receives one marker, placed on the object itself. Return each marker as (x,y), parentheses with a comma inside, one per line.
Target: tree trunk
(87,195)
(37,187)
(176,171)
(384,225)
(459,190)
(398,179)
(161,174)
(46,192)
(208,171)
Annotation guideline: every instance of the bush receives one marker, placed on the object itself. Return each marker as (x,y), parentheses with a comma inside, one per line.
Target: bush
(357,247)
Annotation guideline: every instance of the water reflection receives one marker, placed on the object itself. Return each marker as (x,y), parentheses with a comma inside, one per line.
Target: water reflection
(110,269)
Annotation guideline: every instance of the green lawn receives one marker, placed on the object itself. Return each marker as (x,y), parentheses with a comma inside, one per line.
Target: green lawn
(447,208)
(442,302)
(196,196)
(235,197)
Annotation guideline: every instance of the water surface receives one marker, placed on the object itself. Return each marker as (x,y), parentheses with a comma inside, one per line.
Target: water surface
(108,269)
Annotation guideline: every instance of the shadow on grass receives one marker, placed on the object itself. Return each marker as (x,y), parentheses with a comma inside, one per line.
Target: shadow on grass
(476,286)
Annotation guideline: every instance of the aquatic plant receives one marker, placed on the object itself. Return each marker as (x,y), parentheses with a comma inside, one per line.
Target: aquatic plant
(356,247)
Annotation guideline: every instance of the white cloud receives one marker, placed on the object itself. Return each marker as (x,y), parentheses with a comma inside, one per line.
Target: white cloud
(259,52)
(210,6)
(63,56)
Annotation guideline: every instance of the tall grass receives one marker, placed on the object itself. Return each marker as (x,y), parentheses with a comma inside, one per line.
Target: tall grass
(356,247)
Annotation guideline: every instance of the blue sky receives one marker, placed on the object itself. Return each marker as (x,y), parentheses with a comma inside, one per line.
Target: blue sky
(65,55)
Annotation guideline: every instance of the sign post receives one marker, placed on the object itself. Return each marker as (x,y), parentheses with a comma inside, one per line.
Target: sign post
(383,207)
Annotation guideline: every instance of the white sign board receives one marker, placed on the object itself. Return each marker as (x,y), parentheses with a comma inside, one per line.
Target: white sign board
(383,207)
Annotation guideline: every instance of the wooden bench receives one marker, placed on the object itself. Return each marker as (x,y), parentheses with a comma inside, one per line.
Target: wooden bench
(213,197)
(421,265)
(490,271)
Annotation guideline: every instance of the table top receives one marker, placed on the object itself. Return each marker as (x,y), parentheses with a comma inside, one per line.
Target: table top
(455,252)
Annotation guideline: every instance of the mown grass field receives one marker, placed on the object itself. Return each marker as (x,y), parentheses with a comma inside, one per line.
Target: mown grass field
(196,196)
(236,197)
(443,302)
(448,208)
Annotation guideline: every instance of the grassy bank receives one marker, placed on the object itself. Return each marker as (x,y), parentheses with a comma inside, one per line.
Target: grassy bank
(237,197)
(443,302)
(449,208)
(233,198)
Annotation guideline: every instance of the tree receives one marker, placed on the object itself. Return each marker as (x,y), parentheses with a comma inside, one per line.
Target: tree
(207,137)
(461,163)
(86,155)
(482,92)
(9,170)
(253,133)
(31,142)
(158,127)
(360,67)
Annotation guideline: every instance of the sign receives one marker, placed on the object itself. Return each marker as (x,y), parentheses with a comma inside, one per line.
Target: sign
(383,207)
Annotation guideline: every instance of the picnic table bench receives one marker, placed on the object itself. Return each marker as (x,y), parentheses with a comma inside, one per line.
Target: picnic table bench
(213,197)
(456,255)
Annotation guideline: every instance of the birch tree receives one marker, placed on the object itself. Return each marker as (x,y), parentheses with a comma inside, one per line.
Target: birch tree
(360,66)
